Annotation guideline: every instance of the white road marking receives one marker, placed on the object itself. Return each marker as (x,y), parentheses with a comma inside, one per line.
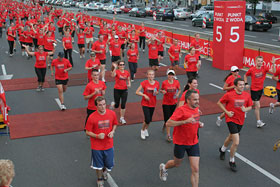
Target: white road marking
(250,36)
(58,102)
(5,76)
(274,40)
(58,40)
(75,51)
(184,25)
(4,69)
(162,64)
(216,86)
(111,181)
(258,168)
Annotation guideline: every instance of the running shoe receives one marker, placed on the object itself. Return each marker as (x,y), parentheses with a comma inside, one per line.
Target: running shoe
(169,139)
(63,107)
(271,108)
(260,124)
(222,154)
(132,80)
(276,145)
(162,172)
(38,89)
(143,50)
(143,136)
(146,133)
(15,50)
(81,56)
(219,121)
(100,183)
(232,166)
(11,54)
(22,53)
(122,121)
(105,175)
(112,105)
(42,89)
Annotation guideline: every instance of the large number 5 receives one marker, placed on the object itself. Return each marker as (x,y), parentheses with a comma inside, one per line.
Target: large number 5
(232,33)
(219,33)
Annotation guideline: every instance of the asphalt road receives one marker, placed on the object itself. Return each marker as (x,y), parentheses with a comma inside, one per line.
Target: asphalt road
(63,160)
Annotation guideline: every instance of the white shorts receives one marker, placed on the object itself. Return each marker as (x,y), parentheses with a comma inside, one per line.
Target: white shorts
(88,40)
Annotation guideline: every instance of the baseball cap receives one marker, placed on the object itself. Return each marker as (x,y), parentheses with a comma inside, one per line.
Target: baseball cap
(170,71)
(116,36)
(234,68)
(92,54)
(61,54)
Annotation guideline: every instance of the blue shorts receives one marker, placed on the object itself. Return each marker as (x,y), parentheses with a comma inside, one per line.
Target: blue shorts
(102,159)
(192,150)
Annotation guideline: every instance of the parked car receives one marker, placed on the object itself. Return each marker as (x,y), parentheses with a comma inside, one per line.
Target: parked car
(207,8)
(92,7)
(187,11)
(72,3)
(77,4)
(137,12)
(164,14)
(66,4)
(114,8)
(106,6)
(58,3)
(180,14)
(199,20)
(150,10)
(197,13)
(126,8)
(269,17)
(257,23)
(100,6)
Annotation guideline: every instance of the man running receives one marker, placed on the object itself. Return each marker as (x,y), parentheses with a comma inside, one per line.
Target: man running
(101,126)
(185,121)
(99,47)
(234,104)
(276,77)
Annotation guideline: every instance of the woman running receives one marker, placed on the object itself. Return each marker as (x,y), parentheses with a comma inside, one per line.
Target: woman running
(40,65)
(192,84)
(228,87)
(133,57)
(49,44)
(11,34)
(142,37)
(192,63)
(67,46)
(81,42)
(171,90)
(122,78)
(150,90)
(92,63)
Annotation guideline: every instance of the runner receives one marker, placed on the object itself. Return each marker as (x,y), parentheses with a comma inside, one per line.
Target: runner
(122,82)
(92,63)
(122,37)
(133,38)
(228,87)
(99,47)
(40,65)
(93,89)
(196,43)
(150,90)
(89,36)
(28,39)
(115,50)
(142,36)
(67,46)
(153,53)
(234,104)
(62,66)
(276,77)
(133,57)
(175,54)
(258,75)
(10,35)
(171,90)
(49,43)
(81,42)
(192,84)
(192,63)
(59,24)
(101,127)
(161,42)
(185,121)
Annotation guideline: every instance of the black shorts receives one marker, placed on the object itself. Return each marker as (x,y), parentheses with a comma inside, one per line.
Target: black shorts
(148,113)
(161,53)
(174,63)
(192,150)
(46,50)
(103,62)
(234,128)
(123,46)
(73,34)
(256,95)
(58,82)
(115,58)
(153,62)
(81,46)
(278,95)
(29,44)
(22,43)
(60,29)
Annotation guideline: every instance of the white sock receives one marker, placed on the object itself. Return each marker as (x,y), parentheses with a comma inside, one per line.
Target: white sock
(219,118)
(223,148)
(258,121)
(231,159)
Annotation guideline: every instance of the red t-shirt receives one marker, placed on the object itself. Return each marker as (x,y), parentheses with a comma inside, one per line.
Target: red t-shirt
(234,102)
(142,32)
(115,48)
(196,45)
(122,36)
(132,55)
(185,134)
(192,62)
(174,51)
(153,50)
(89,32)
(90,88)
(134,40)
(91,63)
(9,33)
(98,123)
(81,38)
(59,23)
(100,46)
(277,74)
(160,44)
(60,66)
(21,36)
(230,81)
(149,91)
(121,78)
(182,98)
(41,59)
(40,38)
(67,42)
(171,90)
(28,36)
(48,44)
(257,77)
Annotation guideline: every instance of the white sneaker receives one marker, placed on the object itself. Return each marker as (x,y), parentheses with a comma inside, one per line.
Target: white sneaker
(22,53)
(146,133)
(105,175)
(132,80)
(162,172)
(143,50)
(112,106)
(219,121)
(103,79)
(100,183)
(271,108)
(84,56)
(26,54)
(38,89)
(81,56)
(143,136)
(63,107)
(260,124)
(122,121)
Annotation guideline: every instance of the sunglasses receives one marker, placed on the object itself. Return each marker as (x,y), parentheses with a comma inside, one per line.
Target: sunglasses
(236,70)
(121,64)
